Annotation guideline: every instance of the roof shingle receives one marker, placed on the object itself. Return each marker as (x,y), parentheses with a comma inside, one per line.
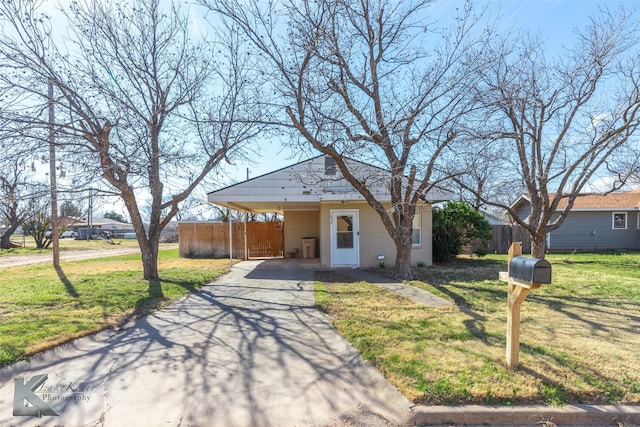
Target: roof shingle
(608,201)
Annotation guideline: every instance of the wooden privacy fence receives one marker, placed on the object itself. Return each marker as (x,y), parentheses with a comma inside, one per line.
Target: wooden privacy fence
(265,239)
(211,239)
(503,235)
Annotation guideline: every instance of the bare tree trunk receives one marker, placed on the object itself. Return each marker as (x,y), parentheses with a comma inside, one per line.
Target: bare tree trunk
(5,240)
(403,263)
(148,238)
(538,246)
(149,260)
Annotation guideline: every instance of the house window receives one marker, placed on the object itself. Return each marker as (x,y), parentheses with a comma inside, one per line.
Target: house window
(620,220)
(344,229)
(416,236)
(329,166)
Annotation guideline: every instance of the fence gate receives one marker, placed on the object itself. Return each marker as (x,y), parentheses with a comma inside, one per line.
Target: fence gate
(211,239)
(265,239)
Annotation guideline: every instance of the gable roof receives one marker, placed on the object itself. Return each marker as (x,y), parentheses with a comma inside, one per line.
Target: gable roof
(612,201)
(630,200)
(304,185)
(494,218)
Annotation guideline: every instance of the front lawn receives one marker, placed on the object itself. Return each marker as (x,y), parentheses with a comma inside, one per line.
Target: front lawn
(29,246)
(579,339)
(41,307)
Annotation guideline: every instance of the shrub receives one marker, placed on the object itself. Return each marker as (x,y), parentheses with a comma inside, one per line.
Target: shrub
(446,240)
(455,226)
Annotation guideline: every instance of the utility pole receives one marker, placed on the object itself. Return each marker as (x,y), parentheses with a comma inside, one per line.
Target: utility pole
(55,239)
(90,215)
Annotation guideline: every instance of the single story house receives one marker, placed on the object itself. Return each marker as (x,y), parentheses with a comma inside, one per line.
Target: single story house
(102,223)
(494,218)
(595,222)
(321,208)
(98,225)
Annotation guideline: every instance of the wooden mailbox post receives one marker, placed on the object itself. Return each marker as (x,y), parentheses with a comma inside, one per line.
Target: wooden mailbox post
(518,288)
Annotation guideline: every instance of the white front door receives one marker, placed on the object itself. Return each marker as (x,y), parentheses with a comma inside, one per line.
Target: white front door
(345,231)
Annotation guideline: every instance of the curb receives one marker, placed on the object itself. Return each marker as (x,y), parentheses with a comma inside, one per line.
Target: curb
(585,415)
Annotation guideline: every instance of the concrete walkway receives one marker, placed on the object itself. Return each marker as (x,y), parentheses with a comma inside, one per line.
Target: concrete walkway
(411,292)
(248,350)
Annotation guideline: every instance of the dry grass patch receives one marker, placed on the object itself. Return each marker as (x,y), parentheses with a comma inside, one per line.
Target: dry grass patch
(71,244)
(579,336)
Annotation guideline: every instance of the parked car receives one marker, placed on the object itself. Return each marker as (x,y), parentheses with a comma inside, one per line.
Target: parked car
(69,233)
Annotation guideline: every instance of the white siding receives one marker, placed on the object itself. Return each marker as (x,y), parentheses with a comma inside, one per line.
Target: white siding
(374,239)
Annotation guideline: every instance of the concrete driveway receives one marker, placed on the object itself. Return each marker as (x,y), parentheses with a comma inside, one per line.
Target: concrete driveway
(248,350)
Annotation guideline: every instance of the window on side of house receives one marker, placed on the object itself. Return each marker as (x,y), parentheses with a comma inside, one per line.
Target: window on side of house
(416,236)
(330,167)
(619,220)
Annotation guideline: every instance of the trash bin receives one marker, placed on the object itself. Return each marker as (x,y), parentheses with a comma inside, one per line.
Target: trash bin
(308,247)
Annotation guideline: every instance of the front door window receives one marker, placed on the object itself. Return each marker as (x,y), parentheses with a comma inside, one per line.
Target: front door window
(344,230)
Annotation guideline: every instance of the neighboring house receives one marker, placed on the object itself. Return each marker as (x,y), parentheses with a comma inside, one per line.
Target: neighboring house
(494,218)
(70,222)
(111,224)
(103,223)
(115,228)
(317,202)
(595,222)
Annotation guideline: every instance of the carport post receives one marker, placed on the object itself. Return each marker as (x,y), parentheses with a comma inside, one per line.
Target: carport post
(230,242)
(246,249)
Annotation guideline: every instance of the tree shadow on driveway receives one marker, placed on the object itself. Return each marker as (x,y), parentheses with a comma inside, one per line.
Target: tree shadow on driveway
(243,351)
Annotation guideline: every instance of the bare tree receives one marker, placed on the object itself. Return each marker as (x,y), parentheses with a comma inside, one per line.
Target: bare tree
(18,197)
(70,209)
(139,105)
(478,179)
(20,193)
(38,224)
(270,217)
(562,122)
(371,80)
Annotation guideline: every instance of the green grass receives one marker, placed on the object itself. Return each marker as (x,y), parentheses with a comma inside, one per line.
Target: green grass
(66,245)
(41,307)
(579,336)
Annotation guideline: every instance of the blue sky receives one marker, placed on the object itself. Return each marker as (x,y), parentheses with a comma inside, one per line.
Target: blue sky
(554,21)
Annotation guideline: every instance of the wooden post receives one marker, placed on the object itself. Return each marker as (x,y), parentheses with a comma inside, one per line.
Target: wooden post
(230,240)
(246,247)
(515,295)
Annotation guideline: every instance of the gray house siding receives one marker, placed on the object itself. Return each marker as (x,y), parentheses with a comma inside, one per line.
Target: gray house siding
(593,230)
(524,211)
